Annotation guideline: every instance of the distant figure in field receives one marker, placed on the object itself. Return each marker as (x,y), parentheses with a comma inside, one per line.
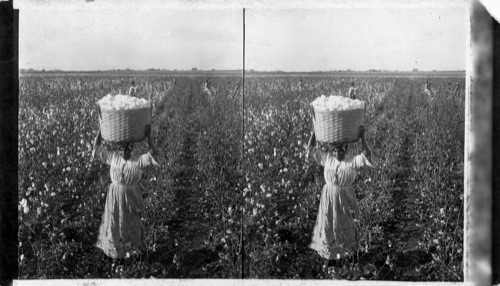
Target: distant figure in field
(427,88)
(352,91)
(394,82)
(456,91)
(80,84)
(133,88)
(236,89)
(207,84)
(206,87)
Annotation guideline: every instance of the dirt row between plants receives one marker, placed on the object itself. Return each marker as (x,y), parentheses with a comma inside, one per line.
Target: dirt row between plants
(186,254)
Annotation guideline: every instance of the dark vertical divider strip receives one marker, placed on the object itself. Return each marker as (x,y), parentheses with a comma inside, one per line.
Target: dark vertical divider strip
(495,251)
(9,88)
(479,230)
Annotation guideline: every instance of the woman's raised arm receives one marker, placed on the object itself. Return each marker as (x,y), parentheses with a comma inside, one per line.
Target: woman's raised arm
(314,154)
(97,143)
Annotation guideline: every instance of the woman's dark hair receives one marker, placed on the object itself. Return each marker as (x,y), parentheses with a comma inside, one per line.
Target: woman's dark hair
(329,147)
(118,146)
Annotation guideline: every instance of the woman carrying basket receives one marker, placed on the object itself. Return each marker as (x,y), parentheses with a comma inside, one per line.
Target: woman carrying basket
(121,233)
(335,234)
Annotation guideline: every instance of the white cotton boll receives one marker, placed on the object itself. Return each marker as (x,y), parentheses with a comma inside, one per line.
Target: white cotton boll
(336,103)
(122,102)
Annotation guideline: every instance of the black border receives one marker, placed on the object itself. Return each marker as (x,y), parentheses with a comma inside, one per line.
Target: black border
(9,90)
(495,248)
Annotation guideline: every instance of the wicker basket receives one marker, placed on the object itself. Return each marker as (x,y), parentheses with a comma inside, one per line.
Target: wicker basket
(124,126)
(337,126)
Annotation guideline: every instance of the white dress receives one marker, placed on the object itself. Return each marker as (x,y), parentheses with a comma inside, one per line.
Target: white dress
(121,229)
(336,230)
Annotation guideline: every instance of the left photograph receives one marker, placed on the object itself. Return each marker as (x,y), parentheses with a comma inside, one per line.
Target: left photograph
(130,123)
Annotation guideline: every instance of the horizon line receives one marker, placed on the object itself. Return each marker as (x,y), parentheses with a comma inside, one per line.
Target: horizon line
(236,70)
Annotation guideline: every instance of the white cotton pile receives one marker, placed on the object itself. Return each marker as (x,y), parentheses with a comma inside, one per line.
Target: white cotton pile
(122,102)
(337,103)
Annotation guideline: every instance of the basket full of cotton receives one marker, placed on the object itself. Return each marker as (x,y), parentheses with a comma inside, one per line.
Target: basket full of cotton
(123,118)
(337,119)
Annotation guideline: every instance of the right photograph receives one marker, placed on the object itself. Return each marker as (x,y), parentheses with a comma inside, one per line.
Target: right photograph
(354,143)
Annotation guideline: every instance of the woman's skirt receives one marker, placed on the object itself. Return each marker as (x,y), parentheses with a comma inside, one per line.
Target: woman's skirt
(335,233)
(121,233)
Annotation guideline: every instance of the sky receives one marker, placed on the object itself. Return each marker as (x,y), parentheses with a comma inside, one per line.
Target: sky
(387,38)
(100,39)
(358,39)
